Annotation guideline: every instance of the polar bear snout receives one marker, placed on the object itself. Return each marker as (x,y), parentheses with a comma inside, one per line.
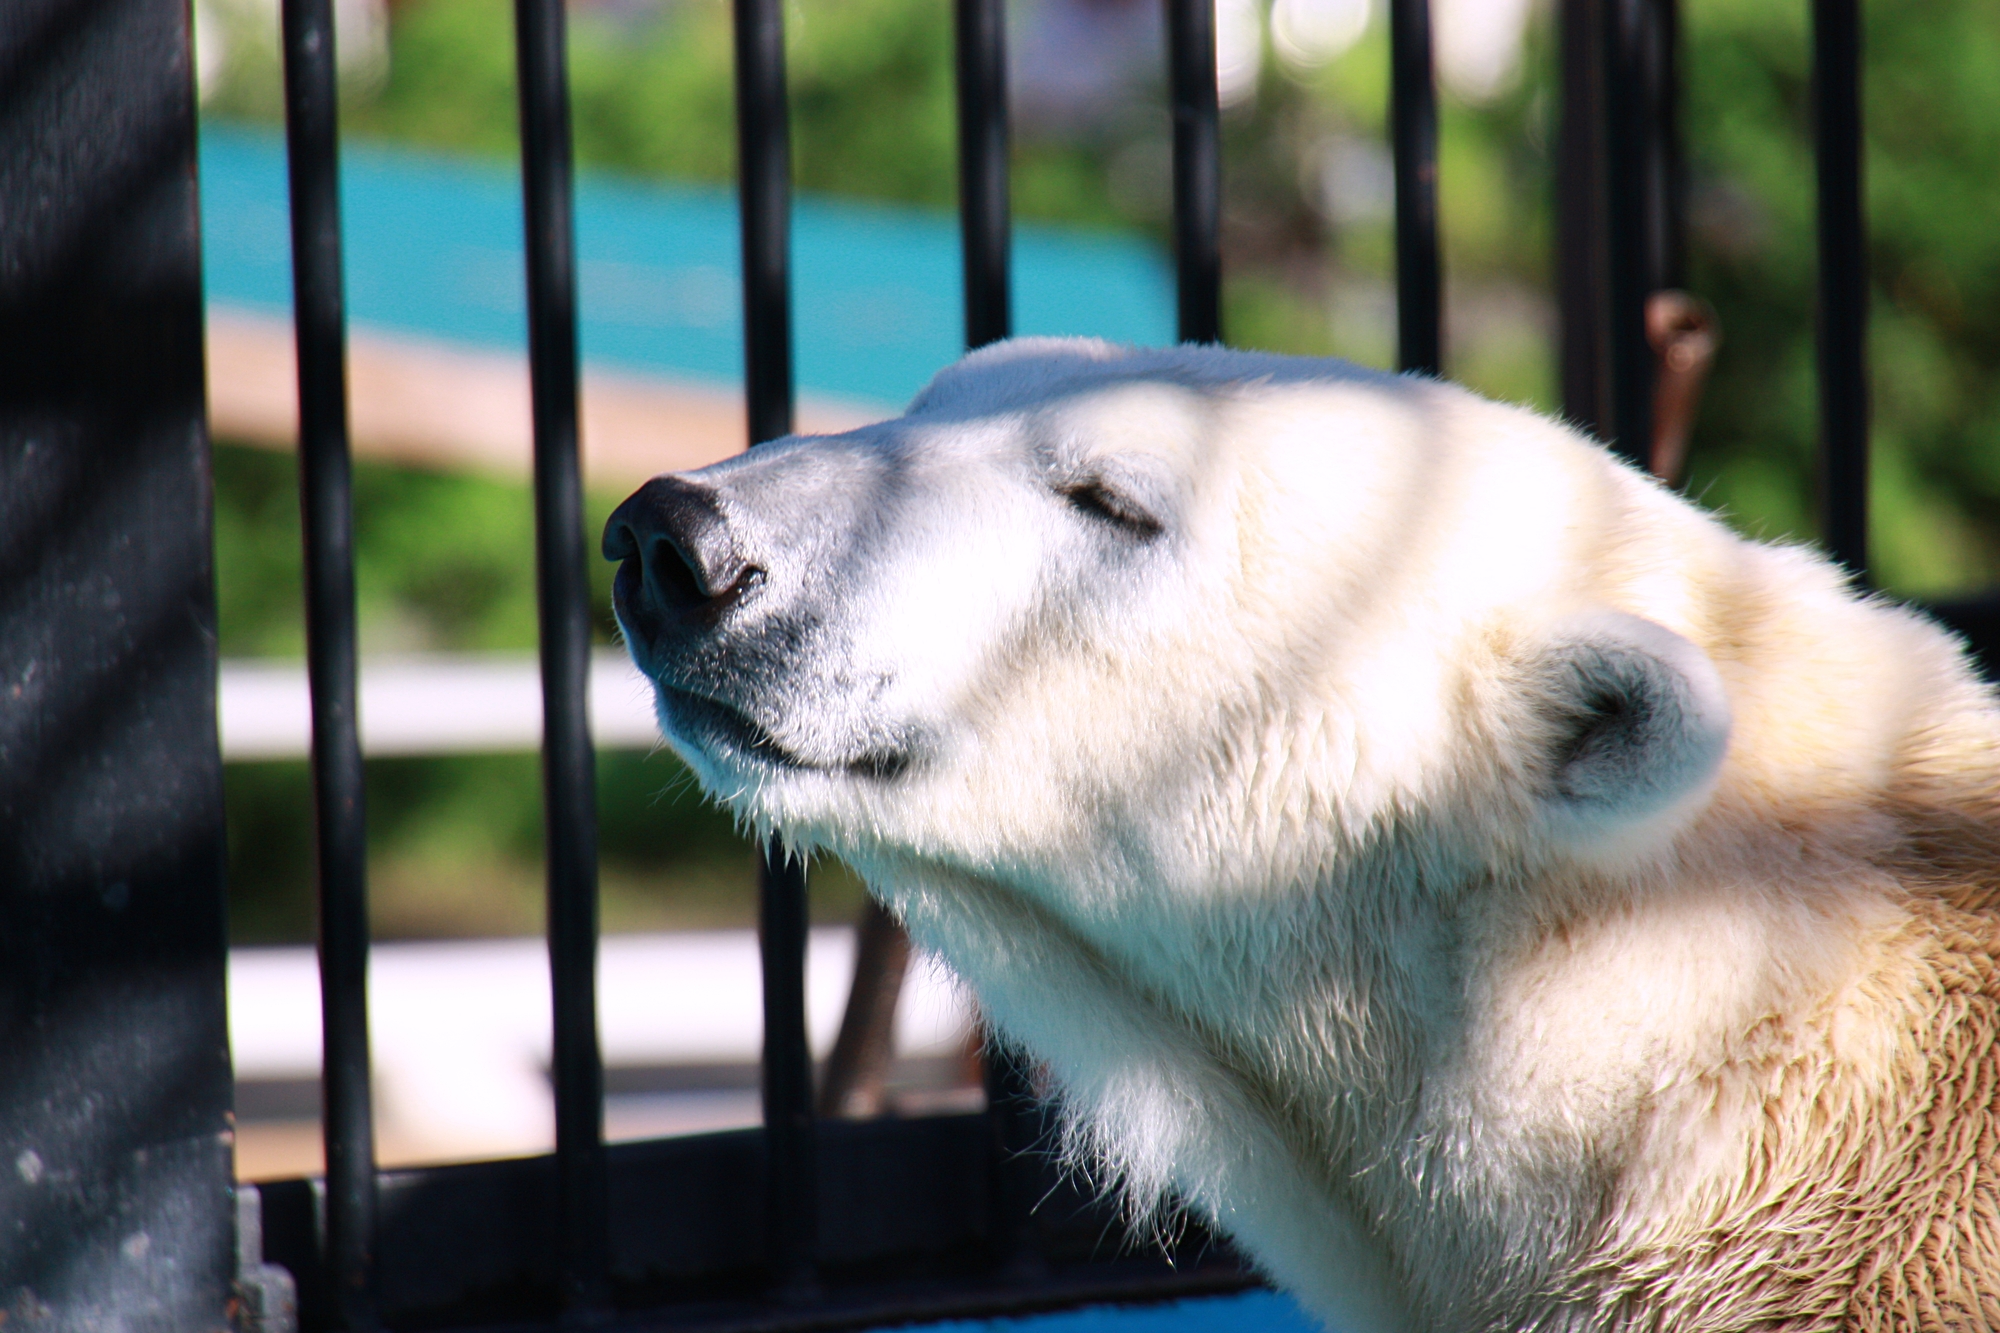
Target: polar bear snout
(679,563)
(735,594)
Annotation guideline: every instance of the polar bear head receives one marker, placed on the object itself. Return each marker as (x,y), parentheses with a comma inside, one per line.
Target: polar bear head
(1104,623)
(1385,814)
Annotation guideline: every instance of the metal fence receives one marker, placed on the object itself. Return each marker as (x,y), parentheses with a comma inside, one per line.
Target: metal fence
(804,1224)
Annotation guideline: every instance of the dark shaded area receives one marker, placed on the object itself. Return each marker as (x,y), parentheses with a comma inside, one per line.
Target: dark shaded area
(1977,621)
(903,1233)
(114,1069)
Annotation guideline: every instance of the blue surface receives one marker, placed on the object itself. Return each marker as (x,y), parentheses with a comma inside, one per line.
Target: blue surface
(434,247)
(1250,1312)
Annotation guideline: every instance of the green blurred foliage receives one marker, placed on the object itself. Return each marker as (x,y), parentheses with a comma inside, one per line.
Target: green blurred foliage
(439,559)
(445,564)
(1932,111)
(1310,266)
(652,93)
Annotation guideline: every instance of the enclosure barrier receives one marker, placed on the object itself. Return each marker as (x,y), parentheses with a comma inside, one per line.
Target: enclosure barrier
(941,1216)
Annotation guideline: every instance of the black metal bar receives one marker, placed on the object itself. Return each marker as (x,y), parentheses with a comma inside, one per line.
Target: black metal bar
(465,1246)
(1413,131)
(792,1228)
(115,1209)
(1843,281)
(1582,268)
(569,769)
(1628,130)
(1197,167)
(1017,1134)
(982,168)
(326,504)
(1665,185)
(765,185)
(1011,1109)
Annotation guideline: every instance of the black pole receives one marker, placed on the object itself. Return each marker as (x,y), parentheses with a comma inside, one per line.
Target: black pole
(115,1183)
(1582,267)
(983,219)
(982,168)
(788,1101)
(1843,282)
(1197,168)
(326,507)
(569,771)
(1666,186)
(764,147)
(1629,131)
(765,187)
(1413,131)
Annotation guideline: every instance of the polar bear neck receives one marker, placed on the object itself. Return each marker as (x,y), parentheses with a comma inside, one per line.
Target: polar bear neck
(1287,1112)
(1365,1111)
(1165,1104)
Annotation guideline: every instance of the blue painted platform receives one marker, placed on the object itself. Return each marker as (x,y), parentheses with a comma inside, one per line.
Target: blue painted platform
(1248,1312)
(434,249)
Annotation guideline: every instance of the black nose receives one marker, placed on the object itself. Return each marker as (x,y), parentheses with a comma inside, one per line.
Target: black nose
(676,553)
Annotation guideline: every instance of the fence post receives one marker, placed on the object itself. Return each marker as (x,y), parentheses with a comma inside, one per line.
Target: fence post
(764,184)
(1618,210)
(1843,282)
(115,1202)
(1413,131)
(1197,168)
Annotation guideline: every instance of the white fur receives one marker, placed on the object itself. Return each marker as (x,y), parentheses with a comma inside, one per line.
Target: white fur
(1379,852)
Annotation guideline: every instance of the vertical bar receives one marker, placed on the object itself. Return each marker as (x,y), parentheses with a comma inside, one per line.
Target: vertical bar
(764,182)
(1012,1113)
(1413,131)
(1665,186)
(1628,130)
(1843,281)
(569,782)
(982,168)
(326,503)
(1197,167)
(1582,266)
(1015,1179)
(765,186)
(115,1208)
(787,1074)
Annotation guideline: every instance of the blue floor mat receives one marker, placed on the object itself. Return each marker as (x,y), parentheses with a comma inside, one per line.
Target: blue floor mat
(1246,1312)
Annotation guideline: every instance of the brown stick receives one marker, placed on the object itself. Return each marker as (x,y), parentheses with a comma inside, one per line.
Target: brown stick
(1684,335)
(857,1071)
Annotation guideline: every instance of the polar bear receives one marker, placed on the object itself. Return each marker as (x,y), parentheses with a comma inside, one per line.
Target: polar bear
(1462,871)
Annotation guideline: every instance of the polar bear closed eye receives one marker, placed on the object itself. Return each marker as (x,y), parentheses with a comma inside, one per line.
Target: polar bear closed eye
(1466,874)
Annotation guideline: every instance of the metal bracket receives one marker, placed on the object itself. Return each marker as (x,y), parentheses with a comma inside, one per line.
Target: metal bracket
(267,1300)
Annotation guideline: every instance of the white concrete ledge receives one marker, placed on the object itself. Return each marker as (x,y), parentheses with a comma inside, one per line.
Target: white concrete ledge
(429,705)
(460,1029)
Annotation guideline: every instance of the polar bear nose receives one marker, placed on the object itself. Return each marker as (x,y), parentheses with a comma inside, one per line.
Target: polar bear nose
(675,550)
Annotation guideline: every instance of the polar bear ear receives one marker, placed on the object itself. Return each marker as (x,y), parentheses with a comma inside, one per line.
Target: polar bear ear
(1638,723)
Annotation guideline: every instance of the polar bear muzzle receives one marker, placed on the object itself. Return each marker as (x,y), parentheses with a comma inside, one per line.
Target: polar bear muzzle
(725,596)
